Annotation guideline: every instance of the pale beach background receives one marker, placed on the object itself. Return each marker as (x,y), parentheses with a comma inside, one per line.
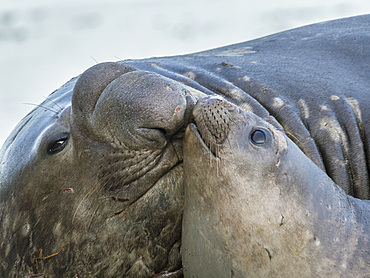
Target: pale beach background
(45,43)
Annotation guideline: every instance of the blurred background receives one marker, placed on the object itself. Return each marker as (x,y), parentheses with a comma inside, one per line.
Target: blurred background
(45,43)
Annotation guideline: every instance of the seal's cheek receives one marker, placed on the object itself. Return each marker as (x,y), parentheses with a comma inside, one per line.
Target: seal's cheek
(251,149)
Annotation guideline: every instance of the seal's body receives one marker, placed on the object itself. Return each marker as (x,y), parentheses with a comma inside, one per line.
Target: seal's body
(314,81)
(256,206)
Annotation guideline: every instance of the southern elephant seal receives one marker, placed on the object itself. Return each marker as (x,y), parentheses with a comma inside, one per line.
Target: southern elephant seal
(88,168)
(313,81)
(257,206)
(94,189)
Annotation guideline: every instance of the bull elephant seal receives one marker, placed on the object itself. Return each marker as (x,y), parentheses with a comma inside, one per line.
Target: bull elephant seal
(93,188)
(256,206)
(91,180)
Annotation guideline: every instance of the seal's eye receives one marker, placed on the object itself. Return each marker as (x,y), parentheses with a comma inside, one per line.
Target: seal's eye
(258,137)
(58,144)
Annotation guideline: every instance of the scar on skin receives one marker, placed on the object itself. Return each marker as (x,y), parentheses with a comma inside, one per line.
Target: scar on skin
(229,65)
(119,199)
(282,220)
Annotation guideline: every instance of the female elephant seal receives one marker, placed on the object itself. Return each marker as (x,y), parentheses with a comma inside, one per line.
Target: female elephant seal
(256,206)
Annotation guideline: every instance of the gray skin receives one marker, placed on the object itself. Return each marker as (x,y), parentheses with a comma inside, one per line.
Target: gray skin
(91,183)
(114,136)
(257,206)
(312,81)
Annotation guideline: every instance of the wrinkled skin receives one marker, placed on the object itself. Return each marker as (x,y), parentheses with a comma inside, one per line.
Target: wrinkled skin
(103,190)
(313,82)
(262,206)
(93,177)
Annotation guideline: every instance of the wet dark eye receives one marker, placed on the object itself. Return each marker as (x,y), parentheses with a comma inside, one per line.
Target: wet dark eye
(258,137)
(58,144)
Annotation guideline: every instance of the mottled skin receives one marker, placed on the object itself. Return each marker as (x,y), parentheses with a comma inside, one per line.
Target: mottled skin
(95,172)
(109,204)
(314,81)
(264,209)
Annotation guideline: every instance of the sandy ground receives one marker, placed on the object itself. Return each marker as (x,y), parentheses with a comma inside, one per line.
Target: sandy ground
(45,43)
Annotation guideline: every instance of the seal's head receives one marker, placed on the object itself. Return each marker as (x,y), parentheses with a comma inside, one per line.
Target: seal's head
(226,134)
(93,177)
(247,189)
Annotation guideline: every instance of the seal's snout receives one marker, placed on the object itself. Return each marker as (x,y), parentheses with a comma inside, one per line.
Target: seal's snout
(141,109)
(156,110)
(212,116)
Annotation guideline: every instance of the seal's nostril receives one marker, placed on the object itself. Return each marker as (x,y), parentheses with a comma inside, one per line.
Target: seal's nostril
(161,130)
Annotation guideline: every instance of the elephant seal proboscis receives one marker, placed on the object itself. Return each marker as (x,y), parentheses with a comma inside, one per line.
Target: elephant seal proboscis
(91,180)
(92,186)
(257,206)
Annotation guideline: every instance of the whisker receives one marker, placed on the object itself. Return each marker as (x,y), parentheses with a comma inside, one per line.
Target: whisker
(94,59)
(118,58)
(52,101)
(42,106)
(210,153)
(217,165)
(37,118)
(87,195)
(44,117)
(92,216)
